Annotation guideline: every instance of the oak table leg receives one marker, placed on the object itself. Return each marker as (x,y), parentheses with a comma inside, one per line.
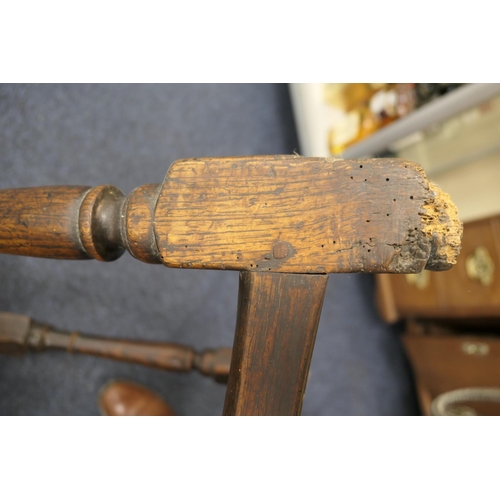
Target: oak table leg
(278,316)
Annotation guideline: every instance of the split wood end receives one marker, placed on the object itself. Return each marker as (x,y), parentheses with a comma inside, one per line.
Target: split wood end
(443,227)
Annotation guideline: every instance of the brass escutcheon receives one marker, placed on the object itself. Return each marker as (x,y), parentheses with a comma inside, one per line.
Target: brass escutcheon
(479,266)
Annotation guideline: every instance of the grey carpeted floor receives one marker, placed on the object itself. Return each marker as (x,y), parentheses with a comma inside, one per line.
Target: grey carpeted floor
(127,135)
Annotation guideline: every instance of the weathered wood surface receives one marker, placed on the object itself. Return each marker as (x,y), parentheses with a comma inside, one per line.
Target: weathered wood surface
(277,320)
(304,215)
(274,213)
(61,222)
(19,333)
(41,222)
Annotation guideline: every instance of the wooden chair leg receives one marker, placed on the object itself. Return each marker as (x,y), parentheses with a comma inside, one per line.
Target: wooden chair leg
(277,320)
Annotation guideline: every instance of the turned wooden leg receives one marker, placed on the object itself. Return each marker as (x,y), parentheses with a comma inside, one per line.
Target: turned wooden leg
(278,316)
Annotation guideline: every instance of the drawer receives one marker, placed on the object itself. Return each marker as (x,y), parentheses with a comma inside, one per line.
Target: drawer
(442,362)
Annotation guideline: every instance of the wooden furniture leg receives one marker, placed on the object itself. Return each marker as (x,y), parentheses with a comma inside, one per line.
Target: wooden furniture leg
(277,320)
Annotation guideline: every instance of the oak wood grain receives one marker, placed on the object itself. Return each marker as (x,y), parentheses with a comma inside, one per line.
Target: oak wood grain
(277,320)
(41,222)
(304,215)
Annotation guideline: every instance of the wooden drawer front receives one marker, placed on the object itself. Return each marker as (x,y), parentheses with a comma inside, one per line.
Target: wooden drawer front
(442,364)
(474,282)
(470,289)
(416,298)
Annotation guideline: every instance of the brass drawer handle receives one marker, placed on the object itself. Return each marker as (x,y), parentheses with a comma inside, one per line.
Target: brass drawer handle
(475,348)
(445,404)
(479,266)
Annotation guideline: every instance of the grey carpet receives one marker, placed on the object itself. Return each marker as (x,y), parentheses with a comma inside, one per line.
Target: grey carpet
(128,135)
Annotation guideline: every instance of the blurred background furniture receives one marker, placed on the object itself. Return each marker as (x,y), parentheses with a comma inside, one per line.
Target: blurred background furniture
(452,319)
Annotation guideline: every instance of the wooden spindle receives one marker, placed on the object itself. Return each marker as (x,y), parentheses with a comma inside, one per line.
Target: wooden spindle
(19,333)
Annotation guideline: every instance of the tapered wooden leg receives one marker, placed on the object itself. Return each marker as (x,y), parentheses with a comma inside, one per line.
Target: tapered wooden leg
(278,316)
